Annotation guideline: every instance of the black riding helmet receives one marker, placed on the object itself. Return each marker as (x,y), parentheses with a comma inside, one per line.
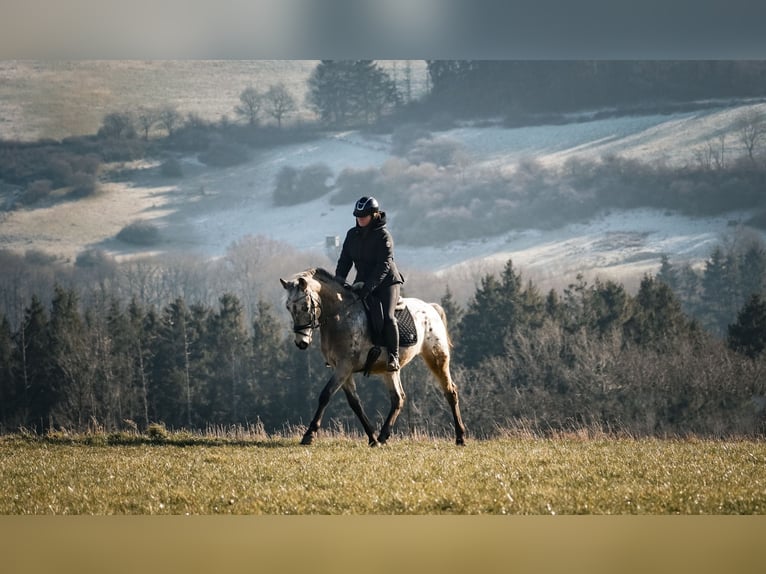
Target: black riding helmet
(366,206)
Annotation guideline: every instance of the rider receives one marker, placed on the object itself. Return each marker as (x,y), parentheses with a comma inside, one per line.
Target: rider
(370,248)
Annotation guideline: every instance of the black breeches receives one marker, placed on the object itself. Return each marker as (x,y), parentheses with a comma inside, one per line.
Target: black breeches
(388,297)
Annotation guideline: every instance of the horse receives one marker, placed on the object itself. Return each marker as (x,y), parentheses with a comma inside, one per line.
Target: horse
(316,299)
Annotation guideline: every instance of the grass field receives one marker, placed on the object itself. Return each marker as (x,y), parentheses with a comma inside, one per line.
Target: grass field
(186,474)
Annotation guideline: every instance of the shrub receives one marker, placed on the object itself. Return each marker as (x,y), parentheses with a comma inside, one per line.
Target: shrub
(171,168)
(36,191)
(157,432)
(293,186)
(404,138)
(354,183)
(84,185)
(140,233)
(225,155)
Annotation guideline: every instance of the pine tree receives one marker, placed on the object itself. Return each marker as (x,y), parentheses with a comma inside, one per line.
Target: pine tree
(454,313)
(226,342)
(273,386)
(748,334)
(497,310)
(609,306)
(658,320)
(348,91)
(34,360)
(170,392)
(668,274)
(716,299)
(8,392)
(753,270)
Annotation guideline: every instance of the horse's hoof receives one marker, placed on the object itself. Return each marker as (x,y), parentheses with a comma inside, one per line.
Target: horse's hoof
(307,439)
(373,443)
(460,441)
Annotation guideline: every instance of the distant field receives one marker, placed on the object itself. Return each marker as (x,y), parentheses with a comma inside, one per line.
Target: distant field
(340,475)
(56,99)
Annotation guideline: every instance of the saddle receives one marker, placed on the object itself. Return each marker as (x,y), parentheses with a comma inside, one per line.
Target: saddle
(408,335)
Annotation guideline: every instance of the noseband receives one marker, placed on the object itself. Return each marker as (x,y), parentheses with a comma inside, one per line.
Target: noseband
(315,310)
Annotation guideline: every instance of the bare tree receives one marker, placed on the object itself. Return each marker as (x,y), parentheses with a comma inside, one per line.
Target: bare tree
(147,118)
(751,127)
(712,156)
(252,100)
(169,118)
(279,102)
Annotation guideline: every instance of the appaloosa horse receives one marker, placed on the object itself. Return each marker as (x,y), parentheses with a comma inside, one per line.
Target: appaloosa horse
(315,299)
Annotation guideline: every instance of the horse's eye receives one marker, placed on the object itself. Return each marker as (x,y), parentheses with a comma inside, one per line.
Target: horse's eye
(305,307)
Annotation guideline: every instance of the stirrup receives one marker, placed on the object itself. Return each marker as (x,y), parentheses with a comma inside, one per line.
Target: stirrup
(393,363)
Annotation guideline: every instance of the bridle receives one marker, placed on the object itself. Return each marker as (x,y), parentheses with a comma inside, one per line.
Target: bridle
(314,312)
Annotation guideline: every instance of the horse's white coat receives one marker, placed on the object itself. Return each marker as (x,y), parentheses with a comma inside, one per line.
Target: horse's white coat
(315,299)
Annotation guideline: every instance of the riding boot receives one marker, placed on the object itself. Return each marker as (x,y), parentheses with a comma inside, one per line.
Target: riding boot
(391,335)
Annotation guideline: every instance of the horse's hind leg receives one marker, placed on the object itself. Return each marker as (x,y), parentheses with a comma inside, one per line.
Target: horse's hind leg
(438,362)
(329,390)
(394,384)
(356,405)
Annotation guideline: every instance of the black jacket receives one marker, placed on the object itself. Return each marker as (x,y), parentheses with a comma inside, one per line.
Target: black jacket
(371,250)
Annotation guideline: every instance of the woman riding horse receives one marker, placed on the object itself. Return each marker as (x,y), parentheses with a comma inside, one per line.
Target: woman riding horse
(369,247)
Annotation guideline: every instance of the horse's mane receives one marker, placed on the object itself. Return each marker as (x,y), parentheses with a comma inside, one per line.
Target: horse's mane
(324,275)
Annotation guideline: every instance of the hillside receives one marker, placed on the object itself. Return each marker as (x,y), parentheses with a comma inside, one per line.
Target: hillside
(208,209)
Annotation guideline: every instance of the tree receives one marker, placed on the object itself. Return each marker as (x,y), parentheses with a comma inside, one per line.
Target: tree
(142,333)
(716,290)
(497,310)
(32,347)
(667,273)
(344,92)
(375,90)
(226,343)
(170,396)
(267,387)
(454,313)
(753,270)
(748,334)
(118,126)
(8,390)
(751,129)
(169,117)
(251,101)
(657,320)
(73,369)
(279,102)
(147,118)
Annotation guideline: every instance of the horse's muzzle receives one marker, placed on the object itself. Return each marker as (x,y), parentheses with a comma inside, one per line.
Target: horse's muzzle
(302,345)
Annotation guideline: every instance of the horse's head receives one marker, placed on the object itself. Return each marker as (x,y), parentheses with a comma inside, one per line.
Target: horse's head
(304,307)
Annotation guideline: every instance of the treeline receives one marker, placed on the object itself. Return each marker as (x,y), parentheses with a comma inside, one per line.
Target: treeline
(591,356)
(514,89)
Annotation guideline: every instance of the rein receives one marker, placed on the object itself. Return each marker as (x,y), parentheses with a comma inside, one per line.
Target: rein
(315,313)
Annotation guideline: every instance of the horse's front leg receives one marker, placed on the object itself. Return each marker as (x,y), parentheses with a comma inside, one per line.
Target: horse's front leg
(394,384)
(349,387)
(329,390)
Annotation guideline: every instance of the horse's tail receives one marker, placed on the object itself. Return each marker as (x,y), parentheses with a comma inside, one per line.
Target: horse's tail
(443,315)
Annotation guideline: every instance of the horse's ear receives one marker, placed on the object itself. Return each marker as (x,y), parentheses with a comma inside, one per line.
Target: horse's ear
(303,283)
(284,283)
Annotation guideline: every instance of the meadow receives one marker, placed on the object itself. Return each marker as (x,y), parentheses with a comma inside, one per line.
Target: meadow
(186,474)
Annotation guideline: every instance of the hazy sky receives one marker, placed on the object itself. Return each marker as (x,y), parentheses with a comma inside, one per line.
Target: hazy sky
(382,29)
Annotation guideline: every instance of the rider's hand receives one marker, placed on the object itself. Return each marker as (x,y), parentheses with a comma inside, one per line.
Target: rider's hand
(360,289)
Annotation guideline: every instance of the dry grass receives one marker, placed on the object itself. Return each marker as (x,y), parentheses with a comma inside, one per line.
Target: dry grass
(249,473)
